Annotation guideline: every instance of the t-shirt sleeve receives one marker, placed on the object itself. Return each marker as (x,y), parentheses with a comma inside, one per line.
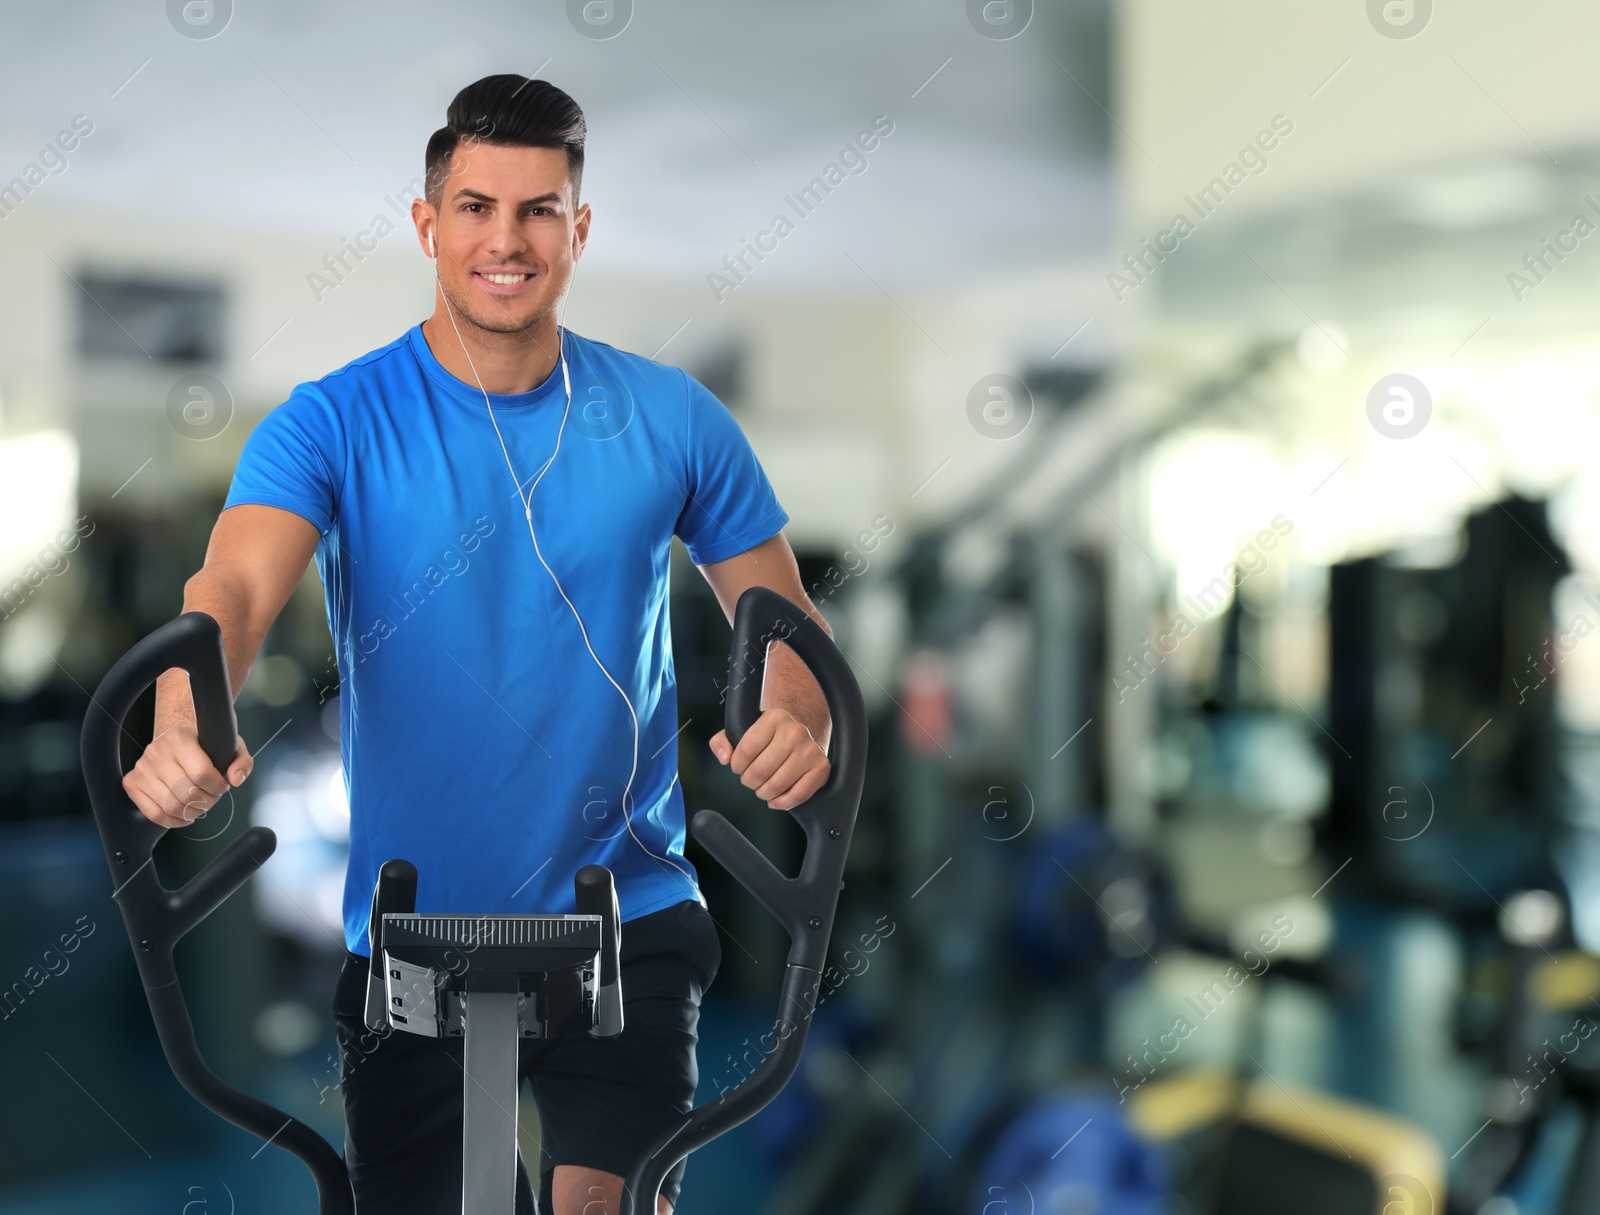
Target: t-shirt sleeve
(291,460)
(731,506)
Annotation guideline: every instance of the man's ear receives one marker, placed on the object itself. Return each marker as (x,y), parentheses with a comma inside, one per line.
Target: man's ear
(426,221)
(580,229)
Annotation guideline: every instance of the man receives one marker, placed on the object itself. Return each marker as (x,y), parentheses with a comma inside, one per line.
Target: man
(508,702)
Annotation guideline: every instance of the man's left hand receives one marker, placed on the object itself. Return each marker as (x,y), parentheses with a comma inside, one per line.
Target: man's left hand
(777,757)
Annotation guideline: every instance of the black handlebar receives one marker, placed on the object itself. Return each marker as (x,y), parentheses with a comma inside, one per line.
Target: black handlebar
(394,891)
(803,904)
(595,893)
(157,918)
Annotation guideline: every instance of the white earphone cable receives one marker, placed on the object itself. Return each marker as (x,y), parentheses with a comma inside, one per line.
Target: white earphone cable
(527,505)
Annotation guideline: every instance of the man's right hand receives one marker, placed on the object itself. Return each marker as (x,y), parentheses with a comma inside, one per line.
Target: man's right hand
(175,782)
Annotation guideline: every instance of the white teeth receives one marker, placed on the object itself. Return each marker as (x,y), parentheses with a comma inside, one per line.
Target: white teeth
(506,278)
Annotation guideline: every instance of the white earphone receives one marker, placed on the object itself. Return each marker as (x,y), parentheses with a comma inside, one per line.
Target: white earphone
(527,511)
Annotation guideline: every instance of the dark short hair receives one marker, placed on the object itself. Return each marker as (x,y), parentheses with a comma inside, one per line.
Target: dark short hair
(512,111)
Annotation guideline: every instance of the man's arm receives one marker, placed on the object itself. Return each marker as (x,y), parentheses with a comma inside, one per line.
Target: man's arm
(783,756)
(255,559)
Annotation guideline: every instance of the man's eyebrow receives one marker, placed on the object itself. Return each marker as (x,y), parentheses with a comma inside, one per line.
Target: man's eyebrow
(553,196)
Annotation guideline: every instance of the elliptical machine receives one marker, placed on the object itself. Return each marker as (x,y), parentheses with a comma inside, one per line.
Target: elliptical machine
(493,978)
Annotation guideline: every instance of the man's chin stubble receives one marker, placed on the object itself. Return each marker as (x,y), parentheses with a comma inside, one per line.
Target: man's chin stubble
(502,323)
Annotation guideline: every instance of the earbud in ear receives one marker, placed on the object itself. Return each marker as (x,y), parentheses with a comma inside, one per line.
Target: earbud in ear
(433,251)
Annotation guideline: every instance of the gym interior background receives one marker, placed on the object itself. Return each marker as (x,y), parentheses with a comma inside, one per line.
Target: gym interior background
(1188,416)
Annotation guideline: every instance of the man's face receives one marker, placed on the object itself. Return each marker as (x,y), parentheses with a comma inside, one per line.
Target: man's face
(506,213)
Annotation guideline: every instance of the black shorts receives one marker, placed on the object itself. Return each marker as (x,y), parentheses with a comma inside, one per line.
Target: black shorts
(602,1102)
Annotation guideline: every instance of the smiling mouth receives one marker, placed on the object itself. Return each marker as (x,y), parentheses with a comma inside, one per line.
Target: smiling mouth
(503,280)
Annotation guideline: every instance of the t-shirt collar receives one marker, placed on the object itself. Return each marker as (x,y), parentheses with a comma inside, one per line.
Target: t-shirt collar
(463,391)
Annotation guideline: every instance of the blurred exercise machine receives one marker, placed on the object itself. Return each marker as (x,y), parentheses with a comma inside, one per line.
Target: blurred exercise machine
(1459,801)
(983,1040)
(975,1056)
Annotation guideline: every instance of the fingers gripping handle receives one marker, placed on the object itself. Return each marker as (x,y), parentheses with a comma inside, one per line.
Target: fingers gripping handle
(194,642)
(761,617)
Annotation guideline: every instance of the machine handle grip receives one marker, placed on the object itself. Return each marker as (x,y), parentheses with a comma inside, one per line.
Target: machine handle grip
(804,904)
(394,893)
(215,722)
(595,893)
(161,916)
(229,869)
(748,864)
(157,918)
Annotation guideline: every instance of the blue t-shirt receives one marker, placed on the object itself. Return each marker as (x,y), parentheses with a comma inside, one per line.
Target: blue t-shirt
(479,739)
